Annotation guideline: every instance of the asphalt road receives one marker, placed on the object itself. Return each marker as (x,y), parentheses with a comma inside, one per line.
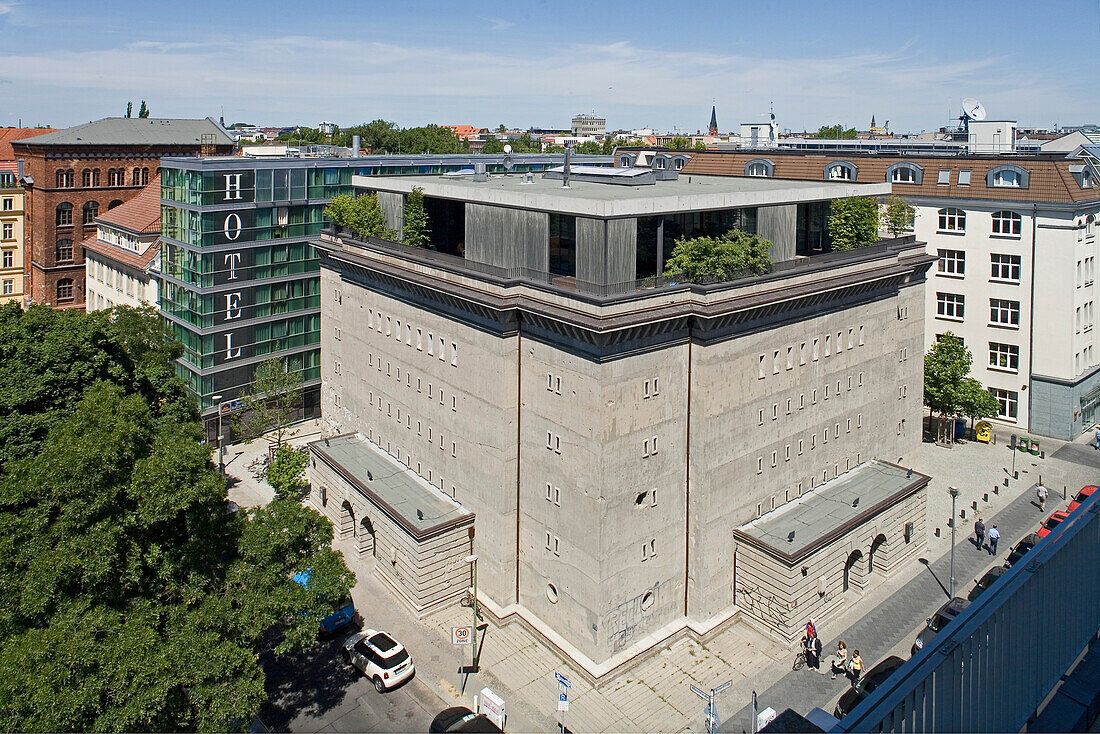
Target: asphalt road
(319,691)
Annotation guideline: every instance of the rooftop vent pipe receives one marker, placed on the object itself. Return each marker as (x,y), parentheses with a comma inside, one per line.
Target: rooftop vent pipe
(479,172)
(354,146)
(565,168)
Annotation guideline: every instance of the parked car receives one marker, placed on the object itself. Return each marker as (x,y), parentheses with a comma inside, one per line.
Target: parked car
(943,616)
(1080,497)
(986,581)
(1052,522)
(342,615)
(379,657)
(869,682)
(461,719)
(1021,548)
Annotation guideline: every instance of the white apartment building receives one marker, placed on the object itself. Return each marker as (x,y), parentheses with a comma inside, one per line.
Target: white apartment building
(1015,236)
(588,125)
(124,252)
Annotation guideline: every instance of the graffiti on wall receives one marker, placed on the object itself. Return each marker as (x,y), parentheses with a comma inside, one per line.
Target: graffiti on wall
(626,620)
(764,605)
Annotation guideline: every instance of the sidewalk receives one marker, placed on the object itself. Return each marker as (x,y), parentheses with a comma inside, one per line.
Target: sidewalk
(244,487)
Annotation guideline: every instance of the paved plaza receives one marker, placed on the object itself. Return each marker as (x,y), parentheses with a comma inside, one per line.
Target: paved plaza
(655,695)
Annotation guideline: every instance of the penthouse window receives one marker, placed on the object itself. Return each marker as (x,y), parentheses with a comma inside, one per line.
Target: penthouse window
(952,220)
(1006,223)
(563,245)
(909,173)
(841,171)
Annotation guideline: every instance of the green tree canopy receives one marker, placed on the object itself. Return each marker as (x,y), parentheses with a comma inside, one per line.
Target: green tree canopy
(725,256)
(493,145)
(899,215)
(130,598)
(287,472)
(700,145)
(853,222)
(948,388)
(588,147)
(362,214)
(836,132)
(679,142)
(415,232)
(272,403)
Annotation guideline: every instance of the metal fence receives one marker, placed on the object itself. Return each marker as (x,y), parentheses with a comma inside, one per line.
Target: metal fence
(997,662)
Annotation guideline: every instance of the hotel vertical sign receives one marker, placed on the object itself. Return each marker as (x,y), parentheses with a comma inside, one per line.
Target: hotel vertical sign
(234,266)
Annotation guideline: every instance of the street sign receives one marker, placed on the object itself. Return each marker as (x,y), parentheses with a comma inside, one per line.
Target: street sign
(700,694)
(723,687)
(231,405)
(563,702)
(563,680)
(461,635)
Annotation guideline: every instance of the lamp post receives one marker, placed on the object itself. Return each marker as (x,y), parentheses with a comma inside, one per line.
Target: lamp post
(221,464)
(472,560)
(954,492)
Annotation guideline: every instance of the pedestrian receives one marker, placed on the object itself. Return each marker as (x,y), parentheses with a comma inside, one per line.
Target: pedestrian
(855,670)
(1041,492)
(994,536)
(979,533)
(1097,444)
(840,659)
(817,654)
(811,628)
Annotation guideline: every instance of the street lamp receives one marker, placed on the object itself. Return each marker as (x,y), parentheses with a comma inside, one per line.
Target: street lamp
(221,463)
(472,560)
(954,492)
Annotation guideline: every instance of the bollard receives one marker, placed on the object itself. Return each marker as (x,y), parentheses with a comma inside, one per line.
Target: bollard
(937,532)
(985,497)
(962,513)
(1006,481)
(1063,491)
(997,488)
(1043,454)
(1015,475)
(975,505)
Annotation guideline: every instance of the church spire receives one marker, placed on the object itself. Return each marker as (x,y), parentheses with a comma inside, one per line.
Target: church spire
(713,128)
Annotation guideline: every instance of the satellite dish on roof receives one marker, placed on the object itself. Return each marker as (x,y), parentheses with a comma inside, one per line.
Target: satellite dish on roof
(508,148)
(973,109)
(509,164)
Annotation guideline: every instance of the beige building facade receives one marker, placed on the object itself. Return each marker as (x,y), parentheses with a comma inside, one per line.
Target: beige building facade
(11,234)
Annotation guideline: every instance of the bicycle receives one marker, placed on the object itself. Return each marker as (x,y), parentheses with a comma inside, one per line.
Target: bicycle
(799,661)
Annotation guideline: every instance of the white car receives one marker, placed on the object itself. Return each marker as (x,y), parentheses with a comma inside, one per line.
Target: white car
(380,657)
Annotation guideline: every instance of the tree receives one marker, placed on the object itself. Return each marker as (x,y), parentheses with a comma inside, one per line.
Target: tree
(679,142)
(853,222)
(415,232)
(899,215)
(948,389)
(272,405)
(130,599)
(362,214)
(700,145)
(287,472)
(129,109)
(608,145)
(726,256)
(836,132)
(493,145)
(588,147)
(143,113)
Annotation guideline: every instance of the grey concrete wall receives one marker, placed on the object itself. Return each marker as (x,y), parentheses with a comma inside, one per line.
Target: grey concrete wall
(591,250)
(1055,408)
(393,206)
(485,235)
(778,224)
(622,250)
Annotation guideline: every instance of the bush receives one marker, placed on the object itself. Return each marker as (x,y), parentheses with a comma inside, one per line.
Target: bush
(719,257)
(361,214)
(415,232)
(853,222)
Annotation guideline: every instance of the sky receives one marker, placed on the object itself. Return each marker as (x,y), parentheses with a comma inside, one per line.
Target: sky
(536,64)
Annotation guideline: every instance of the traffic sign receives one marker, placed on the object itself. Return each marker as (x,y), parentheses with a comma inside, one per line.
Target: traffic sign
(563,702)
(700,694)
(461,635)
(563,680)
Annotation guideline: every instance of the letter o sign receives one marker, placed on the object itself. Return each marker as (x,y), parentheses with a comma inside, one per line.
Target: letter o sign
(232,226)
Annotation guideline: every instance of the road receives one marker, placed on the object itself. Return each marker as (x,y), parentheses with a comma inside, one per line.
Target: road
(318,691)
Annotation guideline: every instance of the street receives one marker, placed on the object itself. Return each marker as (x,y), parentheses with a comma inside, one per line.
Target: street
(319,691)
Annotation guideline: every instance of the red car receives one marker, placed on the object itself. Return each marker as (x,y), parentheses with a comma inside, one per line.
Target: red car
(1080,497)
(1052,522)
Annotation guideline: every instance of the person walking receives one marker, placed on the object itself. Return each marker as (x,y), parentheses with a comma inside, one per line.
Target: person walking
(1042,493)
(979,533)
(840,659)
(855,670)
(1097,444)
(994,536)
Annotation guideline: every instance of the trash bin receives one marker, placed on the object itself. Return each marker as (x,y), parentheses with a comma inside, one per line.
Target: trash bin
(960,427)
(1023,443)
(1033,447)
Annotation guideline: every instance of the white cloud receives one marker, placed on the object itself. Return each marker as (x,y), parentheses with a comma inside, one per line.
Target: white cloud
(6,6)
(499,24)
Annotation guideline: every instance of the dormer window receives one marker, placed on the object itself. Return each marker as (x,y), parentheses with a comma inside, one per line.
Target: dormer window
(1007,176)
(905,173)
(840,171)
(760,167)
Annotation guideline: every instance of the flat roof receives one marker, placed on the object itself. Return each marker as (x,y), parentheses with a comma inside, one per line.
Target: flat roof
(387,160)
(407,498)
(603,201)
(801,526)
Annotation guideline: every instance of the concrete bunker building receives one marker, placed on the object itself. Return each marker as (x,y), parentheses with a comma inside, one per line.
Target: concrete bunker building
(606,429)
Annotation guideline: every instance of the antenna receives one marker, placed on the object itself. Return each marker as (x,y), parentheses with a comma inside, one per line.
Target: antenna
(972,109)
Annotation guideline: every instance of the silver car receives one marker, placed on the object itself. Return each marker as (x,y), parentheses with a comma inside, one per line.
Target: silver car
(379,657)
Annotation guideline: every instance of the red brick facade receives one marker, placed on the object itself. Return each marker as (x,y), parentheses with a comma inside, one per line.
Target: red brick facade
(81,177)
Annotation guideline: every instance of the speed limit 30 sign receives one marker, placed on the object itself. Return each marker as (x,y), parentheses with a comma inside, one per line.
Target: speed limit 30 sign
(461,635)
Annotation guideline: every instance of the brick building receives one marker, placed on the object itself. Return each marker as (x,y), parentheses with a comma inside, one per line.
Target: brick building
(71,176)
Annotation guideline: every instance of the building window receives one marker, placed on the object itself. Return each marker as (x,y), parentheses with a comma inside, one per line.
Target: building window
(144,176)
(95,177)
(113,204)
(9,259)
(9,204)
(65,289)
(952,220)
(1004,356)
(964,178)
(952,262)
(760,167)
(1004,267)
(91,211)
(64,250)
(840,171)
(949,305)
(86,177)
(9,287)
(64,214)
(1006,222)
(908,173)
(1006,403)
(1007,176)
(944,176)
(64,178)
(1004,312)
(9,231)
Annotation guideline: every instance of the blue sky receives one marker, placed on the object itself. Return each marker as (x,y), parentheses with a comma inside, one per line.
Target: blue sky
(639,64)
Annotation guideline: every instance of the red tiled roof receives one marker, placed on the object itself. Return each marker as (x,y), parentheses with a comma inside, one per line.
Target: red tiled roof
(8,134)
(122,255)
(140,214)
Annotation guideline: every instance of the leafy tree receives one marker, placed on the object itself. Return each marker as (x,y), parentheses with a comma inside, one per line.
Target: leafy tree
(415,232)
(339,209)
(836,132)
(949,391)
(608,145)
(493,145)
(899,215)
(588,147)
(853,222)
(700,145)
(143,113)
(273,403)
(130,599)
(725,256)
(679,142)
(362,214)
(287,472)
(129,109)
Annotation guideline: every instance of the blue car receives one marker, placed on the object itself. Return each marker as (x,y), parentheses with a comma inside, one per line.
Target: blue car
(344,614)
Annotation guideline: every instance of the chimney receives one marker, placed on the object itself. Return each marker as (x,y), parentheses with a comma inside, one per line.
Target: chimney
(480,173)
(354,146)
(565,168)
